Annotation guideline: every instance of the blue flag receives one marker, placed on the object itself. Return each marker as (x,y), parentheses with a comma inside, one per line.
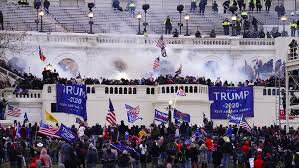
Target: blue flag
(71,99)
(181,116)
(133,113)
(127,135)
(236,118)
(160,116)
(25,118)
(122,147)
(231,100)
(66,133)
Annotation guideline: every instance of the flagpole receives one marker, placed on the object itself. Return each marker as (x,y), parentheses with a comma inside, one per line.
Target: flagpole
(239,125)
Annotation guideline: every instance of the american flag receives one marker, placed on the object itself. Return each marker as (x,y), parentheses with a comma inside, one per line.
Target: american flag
(156,64)
(244,124)
(13,111)
(41,54)
(181,92)
(111,118)
(161,44)
(47,130)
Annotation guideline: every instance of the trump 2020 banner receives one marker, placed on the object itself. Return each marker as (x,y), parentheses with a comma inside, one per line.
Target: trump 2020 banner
(71,98)
(231,100)
(66,133)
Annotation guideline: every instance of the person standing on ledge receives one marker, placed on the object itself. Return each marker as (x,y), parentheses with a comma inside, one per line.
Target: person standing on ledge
(168,25)
(1,20)
(46,6)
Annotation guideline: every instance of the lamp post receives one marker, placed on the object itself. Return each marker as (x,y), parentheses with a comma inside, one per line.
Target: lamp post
(187,18)
(169,108)
(180,9)
(284,19)
(139,16)
(145,7)
(90,15)
(41,13)
(234,18)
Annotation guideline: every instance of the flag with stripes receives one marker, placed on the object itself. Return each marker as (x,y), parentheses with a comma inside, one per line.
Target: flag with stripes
(41,54)
(244,124)
(111,118)
(161,44)
(181,92)
(156,65)
(133,113)
(13,111)
(47,130)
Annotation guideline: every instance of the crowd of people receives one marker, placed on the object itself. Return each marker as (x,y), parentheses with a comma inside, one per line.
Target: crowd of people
(158,146)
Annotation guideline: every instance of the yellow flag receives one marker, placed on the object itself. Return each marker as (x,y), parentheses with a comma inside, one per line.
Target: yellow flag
(50,117)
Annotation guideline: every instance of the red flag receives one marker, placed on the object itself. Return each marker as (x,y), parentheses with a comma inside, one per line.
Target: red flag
(41,55)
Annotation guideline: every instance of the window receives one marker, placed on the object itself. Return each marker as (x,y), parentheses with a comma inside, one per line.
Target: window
(191,89)
(88,89)
(93,90)
(53,107)
(49,89)
(31,95)
(34,95)
(106,90)
(111,90)
(269,91)
(167,89)
(38,95)
(172,89)
(130,90)
(264,91)
(134,91)
(115,90)
(186,89)
(176,89)
(125,90)
(163,89)
(148,91)
(17,95)
(152,90)
(120,90)
(195,89)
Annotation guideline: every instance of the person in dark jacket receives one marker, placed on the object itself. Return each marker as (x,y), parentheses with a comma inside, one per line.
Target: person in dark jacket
(175,33)
(46,6)
(92,156)
(258,5)
(168,25)
(202,6)
(197,34)
(251,5)
(109,159)
(212,34)
(227,150)
(268,161)
(1,20)
(268,5)
(124,160)
(262,34)
(217,157)
(254,22)
(215,7)
(225,6)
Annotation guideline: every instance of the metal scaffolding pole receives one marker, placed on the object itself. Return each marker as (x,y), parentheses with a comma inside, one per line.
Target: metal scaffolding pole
(287,101)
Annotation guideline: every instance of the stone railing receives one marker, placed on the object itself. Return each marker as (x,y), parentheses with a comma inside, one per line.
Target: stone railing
(98,40)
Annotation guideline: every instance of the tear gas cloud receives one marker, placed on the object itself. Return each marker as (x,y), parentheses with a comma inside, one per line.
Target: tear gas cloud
(138,63)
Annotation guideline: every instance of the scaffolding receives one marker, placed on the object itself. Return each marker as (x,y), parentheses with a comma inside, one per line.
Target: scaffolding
(291,66)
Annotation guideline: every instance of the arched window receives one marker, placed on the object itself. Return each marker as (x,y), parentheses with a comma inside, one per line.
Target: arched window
(120,90)
(106,90)
(195,89)
(167,89)
(278,92)
(163,89)
(172,89)
(125,90)
(93,90)
(134,91)
(17,95)
(111,90)
(115,90)
(269,91)
(191,89)
(130,90)
(31,95)
(152,90)
(176,89)
(88,89)
(186,89)
(264,92)
(34,95)
(49,89)
(38,95)
(148,91)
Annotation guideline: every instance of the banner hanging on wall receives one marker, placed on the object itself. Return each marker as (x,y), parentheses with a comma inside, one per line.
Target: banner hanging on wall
(71,99)
(231,100)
